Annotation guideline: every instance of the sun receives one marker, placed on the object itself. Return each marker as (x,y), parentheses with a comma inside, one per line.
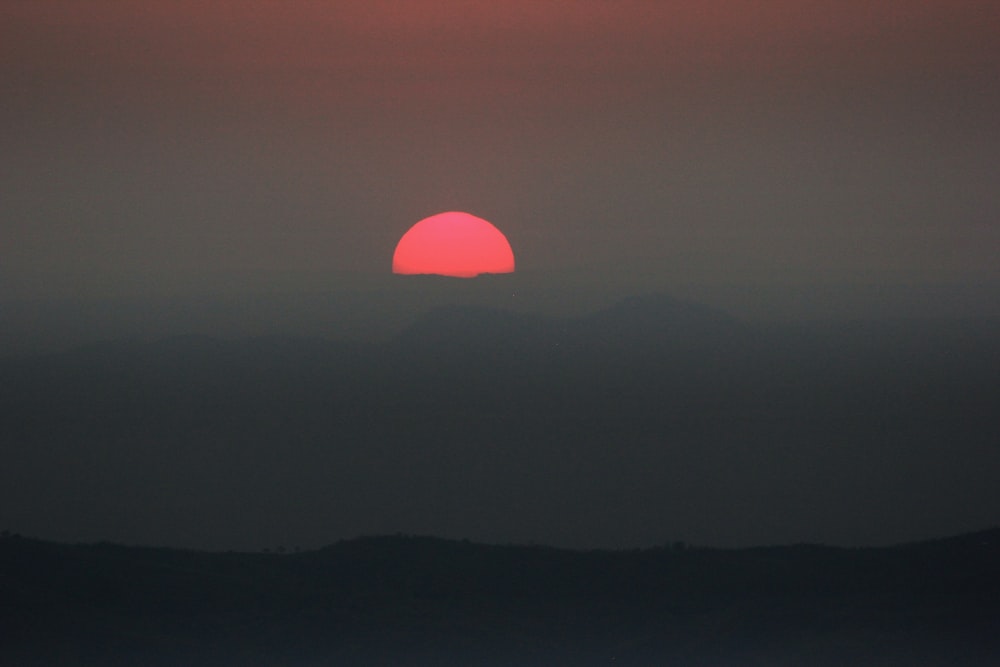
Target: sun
(453,244)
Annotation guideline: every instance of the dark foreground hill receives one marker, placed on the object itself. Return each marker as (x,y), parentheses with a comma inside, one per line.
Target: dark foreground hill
(426,601)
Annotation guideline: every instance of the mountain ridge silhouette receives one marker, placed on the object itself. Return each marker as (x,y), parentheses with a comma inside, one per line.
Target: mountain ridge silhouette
(527,428)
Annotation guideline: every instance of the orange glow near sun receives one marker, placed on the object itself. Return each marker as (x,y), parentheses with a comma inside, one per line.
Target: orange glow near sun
(453,244)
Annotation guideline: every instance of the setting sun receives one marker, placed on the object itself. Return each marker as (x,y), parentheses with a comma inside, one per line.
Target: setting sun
(453,244)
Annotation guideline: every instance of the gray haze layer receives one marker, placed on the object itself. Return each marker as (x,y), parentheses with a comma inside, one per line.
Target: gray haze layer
(645,421)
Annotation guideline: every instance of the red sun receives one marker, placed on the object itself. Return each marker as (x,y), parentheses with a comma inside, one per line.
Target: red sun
(453,244)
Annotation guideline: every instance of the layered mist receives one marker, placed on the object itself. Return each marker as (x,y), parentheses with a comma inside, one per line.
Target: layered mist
(648,421)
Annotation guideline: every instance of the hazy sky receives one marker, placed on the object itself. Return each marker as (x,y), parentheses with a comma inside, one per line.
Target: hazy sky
(787,140)
(149,146)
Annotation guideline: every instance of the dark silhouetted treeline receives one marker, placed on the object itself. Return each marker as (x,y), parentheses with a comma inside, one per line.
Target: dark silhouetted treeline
(426,601)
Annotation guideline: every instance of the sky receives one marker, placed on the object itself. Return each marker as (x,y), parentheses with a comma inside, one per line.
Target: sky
(245,169)
(785,142)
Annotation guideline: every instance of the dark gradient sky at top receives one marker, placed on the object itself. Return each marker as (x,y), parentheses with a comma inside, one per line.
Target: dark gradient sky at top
(782,140)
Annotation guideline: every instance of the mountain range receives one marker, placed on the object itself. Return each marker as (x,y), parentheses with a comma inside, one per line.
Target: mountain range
(652,420)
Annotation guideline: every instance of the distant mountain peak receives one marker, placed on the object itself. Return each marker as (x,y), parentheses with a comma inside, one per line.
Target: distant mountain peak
(647,319)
